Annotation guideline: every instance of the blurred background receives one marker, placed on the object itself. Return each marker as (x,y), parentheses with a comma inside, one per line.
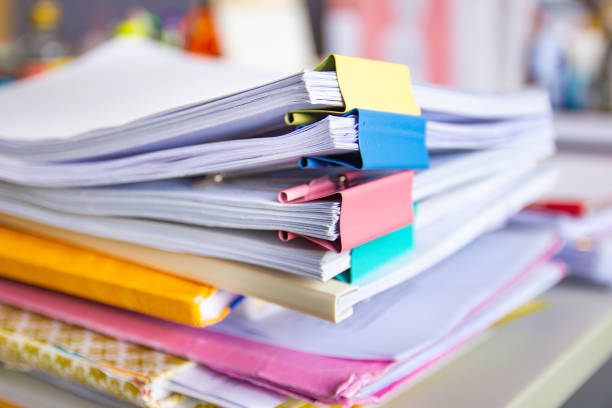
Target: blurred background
(485,45)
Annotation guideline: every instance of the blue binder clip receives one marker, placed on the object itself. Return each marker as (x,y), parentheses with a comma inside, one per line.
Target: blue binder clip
(386,141)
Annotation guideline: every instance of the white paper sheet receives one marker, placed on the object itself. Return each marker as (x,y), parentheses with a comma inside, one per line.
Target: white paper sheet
(452,168)
(251,202)
(412,315)
(207,385)
(446,103)
(121,81)
(537,282)
(134,95)
(256,247)
(481,135)
(328,136)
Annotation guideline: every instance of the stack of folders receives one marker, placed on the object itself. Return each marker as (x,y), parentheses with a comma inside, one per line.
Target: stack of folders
(579,210)
(340,231)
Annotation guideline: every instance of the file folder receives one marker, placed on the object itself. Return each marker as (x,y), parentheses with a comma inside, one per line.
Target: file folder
(369,210)
(80,272)
(364,84)
(127,371)
(386,141)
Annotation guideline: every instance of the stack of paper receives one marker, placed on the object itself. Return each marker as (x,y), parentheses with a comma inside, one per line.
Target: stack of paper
(344,363)
(318,208)
(579,209)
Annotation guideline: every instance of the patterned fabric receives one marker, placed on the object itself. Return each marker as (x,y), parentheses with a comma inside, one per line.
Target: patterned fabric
(125,370)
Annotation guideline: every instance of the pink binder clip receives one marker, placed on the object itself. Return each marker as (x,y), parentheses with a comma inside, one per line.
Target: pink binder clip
(368,210)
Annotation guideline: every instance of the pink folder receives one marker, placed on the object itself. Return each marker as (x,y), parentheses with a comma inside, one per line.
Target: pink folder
(317,378)
(307,376)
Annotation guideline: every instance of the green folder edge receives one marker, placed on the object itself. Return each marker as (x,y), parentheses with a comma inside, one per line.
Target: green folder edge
(369,256)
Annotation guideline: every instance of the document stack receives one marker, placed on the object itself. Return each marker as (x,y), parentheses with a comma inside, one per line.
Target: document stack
(231,238)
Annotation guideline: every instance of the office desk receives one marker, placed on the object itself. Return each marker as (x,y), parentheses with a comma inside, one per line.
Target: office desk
(22,390)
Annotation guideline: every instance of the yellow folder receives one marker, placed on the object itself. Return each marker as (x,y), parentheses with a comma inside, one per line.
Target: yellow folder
(123,370)
(59,266)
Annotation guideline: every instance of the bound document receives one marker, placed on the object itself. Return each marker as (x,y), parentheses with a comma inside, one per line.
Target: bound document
(172,115)
(144,112)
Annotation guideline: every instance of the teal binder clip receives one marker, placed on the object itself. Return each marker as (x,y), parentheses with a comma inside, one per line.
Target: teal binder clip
(386,141)
(369,256)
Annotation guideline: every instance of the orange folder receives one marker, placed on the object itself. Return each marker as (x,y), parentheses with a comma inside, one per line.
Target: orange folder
(80,272)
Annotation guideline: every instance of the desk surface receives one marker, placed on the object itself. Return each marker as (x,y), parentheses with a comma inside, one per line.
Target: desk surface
(22,390)
(537,361)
